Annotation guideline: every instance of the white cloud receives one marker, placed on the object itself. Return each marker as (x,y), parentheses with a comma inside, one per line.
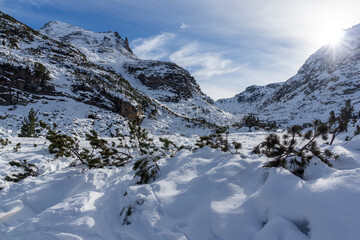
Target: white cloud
(204,65)
(184,26)
(152,48)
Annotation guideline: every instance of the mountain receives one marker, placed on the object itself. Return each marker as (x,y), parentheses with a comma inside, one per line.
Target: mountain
(61,62)
(328,78)
(248,101)
(165,82)
(35,67)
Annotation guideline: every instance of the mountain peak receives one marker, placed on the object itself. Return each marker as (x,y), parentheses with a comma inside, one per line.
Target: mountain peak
(58,30)
(57,25)
(89,42)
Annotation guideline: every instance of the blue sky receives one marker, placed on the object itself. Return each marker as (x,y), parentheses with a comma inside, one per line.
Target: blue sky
(227,45)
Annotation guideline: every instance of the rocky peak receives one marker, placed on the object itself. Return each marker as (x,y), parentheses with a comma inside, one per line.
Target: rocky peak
(165,76)
(91,43)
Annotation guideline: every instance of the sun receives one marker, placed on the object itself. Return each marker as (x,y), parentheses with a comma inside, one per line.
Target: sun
(330,33)
(334,37)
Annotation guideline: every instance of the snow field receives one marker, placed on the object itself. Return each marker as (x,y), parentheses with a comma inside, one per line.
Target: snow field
(206,194)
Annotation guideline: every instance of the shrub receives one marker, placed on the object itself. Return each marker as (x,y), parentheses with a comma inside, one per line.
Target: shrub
(41,71)
(218,140)
(102,153)
(296,149)
(29,170)
(4,142)
(357,130)
(62,145)
(17,147)
(250,120)
(338,124)
(170,147)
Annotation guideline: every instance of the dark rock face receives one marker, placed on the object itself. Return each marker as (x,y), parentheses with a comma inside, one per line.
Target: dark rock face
(13,78)
(158,75)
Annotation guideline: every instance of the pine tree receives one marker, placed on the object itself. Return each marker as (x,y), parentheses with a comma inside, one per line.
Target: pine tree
(146,166)
(29,124)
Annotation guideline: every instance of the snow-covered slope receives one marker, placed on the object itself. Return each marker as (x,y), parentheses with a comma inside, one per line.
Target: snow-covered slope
(328,78)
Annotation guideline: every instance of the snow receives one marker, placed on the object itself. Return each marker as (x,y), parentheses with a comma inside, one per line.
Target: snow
(206,194)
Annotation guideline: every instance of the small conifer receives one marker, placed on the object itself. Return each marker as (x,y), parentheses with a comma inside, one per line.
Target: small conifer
(29,124)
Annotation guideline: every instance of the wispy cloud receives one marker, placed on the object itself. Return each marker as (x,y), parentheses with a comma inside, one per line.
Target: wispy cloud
(184,26)
(203,64)
(153,47)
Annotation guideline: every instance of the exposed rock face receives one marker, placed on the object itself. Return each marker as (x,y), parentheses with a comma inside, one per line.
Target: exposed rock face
(158,75)
(14,78)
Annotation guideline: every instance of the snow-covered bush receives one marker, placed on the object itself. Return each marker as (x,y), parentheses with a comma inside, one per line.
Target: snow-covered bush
(62,145)
(296,149)
(219,140)
(145,166)
(357,130)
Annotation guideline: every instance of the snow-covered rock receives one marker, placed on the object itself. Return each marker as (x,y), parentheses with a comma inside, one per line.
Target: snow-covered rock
(248,101)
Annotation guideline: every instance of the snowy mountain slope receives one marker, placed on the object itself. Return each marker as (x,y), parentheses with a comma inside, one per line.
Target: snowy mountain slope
(328,78)
(33,66)
(106,48)
(207,194)
(248,101)
(166,83)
